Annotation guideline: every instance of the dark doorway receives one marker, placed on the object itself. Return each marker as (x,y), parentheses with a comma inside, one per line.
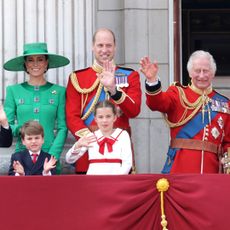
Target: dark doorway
(206,26)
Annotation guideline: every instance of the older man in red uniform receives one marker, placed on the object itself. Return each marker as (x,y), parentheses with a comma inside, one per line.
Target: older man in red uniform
(197,115)
(103,80)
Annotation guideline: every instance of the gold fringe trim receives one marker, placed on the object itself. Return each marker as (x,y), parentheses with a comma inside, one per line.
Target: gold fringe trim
(162,186)
(82,132)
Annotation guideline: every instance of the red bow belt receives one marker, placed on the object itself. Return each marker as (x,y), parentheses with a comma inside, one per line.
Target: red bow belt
(109,143)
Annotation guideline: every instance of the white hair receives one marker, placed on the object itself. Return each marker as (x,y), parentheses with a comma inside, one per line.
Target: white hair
(201,53)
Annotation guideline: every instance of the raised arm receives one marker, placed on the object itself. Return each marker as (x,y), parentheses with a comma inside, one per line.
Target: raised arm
(149,69)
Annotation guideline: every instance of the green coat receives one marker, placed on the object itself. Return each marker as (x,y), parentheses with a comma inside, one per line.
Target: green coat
(45,104)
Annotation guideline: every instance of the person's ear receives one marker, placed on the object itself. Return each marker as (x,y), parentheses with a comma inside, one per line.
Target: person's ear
(23,141)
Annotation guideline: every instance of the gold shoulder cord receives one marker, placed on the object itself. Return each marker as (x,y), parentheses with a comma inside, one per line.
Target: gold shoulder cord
(188,106)
(95,100)
(86,91)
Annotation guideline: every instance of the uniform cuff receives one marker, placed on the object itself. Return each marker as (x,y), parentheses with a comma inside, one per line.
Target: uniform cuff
(117,96)
(154,89)
(5,127)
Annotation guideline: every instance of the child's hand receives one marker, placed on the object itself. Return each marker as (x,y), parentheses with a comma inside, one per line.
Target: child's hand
(18,168)
(49,164)
(85,142)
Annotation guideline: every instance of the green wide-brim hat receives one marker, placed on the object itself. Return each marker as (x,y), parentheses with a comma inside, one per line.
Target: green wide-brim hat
(18,63)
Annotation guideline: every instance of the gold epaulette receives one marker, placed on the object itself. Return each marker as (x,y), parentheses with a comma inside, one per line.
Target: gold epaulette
(76,85)
(176,83)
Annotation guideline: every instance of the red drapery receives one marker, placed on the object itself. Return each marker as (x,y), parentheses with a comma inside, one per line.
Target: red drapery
(129,202)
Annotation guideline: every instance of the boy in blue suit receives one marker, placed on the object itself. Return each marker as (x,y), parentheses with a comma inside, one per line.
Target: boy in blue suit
(32,161)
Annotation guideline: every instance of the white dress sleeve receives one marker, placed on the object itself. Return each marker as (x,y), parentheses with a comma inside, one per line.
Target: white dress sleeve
(74,154)
(126,154)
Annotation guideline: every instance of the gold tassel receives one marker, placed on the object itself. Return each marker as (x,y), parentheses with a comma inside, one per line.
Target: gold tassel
(162,186)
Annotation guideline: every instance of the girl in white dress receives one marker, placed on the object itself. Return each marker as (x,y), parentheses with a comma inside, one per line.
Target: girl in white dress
(109,149)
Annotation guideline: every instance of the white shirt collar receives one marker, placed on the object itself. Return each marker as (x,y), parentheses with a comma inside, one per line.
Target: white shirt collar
(34,152)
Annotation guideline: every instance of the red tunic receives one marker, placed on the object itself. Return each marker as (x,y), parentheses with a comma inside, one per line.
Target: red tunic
(217,132)
(129,104)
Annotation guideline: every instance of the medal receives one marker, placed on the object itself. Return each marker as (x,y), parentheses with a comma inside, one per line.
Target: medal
(220,122)
(121,79)
(215,133)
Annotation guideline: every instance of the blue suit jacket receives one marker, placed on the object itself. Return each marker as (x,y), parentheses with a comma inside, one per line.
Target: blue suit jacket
(29,167)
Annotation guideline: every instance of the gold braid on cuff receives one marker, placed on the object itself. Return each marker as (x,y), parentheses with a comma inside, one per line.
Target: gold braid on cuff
(154,92)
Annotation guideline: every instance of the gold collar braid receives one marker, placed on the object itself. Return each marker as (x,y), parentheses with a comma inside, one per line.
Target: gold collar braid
(199,91)
(96,67)
(195,106)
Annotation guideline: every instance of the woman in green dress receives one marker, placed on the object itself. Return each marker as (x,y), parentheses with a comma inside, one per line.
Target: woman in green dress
(37,99)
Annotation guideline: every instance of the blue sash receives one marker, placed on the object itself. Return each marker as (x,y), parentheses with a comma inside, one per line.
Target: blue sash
(193,127)
(121,75)
(90,118)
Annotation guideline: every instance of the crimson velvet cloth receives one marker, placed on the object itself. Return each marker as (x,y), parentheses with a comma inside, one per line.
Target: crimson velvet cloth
(127,202)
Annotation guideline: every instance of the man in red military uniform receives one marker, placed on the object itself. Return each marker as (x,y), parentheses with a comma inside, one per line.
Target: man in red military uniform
(103,80)
(197,115)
